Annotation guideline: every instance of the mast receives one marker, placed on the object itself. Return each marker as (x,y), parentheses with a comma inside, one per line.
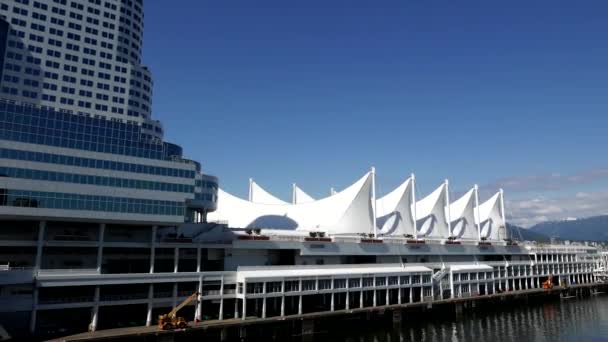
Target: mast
(447,200)
(374,199)
(293,194)
(414,206)
(477,212)
(502,212)
(250,189)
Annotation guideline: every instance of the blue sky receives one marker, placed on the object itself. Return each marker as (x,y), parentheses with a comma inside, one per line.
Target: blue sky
(316,92)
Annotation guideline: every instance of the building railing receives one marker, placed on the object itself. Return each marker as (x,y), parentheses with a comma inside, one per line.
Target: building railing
(68,272)
(64,300)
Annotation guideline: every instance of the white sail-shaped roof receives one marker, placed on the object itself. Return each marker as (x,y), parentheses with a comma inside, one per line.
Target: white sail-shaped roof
(491,217)
(394,211)
(261,196)
(431,214)
(347,212)
(299,196)
(462,217)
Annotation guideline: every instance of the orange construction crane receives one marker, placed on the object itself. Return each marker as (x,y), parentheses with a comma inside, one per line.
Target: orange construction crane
(171,321)
(548,284)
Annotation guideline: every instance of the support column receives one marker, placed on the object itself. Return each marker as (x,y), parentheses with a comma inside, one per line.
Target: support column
(361,298)
(236,308)
(153,248)
(34,311)
(174,295)
(332,305)
(411,294)
(283,298)
(198,312)
(40,244)
(387,303)
(198,259)
(263,307)
(102,230)
(300,305)
(221,313)
(150,298)
(95,311)
(244,300)
(176,260)
(375,294)
(399,295)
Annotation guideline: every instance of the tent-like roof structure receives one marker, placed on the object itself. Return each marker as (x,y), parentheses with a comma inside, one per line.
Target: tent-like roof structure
(431,214)
(347,212)
(257,194)
(492,217)
(299,196)
(462,216)
(356,210)
(394,215)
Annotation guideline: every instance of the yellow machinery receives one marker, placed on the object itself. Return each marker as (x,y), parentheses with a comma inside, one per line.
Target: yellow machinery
(548,284)
(171,321)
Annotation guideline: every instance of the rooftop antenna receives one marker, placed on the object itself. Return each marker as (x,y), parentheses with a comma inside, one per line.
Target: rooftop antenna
(250,189)
(477,211)
(447,200)
(373,171)
(414,218)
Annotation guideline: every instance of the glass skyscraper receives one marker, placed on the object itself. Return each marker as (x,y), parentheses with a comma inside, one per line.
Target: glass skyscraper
(76,136)
(86,177)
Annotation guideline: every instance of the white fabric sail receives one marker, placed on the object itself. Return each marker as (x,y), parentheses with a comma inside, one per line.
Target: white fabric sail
(394,211)
(462,217)
(431,214)
(347,212)
(491,217)
(261,196)
(299,196)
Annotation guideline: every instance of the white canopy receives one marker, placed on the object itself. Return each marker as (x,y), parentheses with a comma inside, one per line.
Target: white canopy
(299,196)
(491,217)
(462,216)
(347,212)
(352,211)
(431,216)
(394,214)
(258,195)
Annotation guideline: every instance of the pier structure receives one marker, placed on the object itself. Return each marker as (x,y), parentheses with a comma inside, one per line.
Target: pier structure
(165,271)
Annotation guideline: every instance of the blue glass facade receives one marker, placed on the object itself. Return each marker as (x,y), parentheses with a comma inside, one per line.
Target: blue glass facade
(62,159)
(3,39)
(30,124)
(56,200)
(54,100)
(75,178)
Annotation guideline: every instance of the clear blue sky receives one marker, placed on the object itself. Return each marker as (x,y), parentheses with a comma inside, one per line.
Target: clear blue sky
(316,92)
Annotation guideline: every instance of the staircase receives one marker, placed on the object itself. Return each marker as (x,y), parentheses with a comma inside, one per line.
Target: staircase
(439,282)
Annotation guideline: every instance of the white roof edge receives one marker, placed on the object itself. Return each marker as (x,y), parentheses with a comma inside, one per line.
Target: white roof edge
(477,267)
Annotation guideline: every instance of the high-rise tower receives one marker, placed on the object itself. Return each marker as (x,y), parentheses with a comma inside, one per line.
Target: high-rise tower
(76,136)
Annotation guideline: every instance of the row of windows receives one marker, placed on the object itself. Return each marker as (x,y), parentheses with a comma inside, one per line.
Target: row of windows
(93,180)
(204,197)
(95,163)
(55,200)
(37,38)
(48,127)
(206,184)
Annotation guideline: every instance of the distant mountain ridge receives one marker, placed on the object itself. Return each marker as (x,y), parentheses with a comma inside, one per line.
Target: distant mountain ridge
(518,233)
(587,229)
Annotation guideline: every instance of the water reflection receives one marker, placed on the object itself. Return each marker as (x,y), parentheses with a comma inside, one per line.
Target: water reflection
(568,320)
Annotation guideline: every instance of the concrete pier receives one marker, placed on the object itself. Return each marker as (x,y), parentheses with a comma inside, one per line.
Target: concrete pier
(223,327)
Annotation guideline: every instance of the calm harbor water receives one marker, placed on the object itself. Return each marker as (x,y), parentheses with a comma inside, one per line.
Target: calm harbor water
(566,320)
